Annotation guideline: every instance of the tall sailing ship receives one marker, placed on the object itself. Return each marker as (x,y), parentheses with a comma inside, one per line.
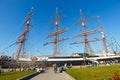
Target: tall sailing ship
(74,59)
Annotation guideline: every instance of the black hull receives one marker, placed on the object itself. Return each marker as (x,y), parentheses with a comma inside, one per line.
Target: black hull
(80,62)
(62,63)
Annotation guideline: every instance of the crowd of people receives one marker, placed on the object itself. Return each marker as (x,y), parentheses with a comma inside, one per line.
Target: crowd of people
(41,69)
(4,57)
(59,68)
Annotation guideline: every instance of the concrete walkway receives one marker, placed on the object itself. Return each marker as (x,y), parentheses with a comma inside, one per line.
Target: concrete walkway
(50,75)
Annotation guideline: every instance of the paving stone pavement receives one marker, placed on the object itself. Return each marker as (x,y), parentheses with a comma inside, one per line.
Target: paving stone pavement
(50,75)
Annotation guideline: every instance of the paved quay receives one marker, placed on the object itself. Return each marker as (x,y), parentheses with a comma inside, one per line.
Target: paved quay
(50,75)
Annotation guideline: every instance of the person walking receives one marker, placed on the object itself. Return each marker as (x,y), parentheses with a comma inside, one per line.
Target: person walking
(55,68)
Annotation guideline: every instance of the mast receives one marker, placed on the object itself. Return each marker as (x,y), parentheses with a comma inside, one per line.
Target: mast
(85,33)
(56,33)
(103,36)
(22,38)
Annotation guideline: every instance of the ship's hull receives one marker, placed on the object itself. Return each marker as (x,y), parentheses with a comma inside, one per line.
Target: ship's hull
(80,60)
(70,60)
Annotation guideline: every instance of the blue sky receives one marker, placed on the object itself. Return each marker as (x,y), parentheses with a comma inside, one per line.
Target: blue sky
(14,12)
